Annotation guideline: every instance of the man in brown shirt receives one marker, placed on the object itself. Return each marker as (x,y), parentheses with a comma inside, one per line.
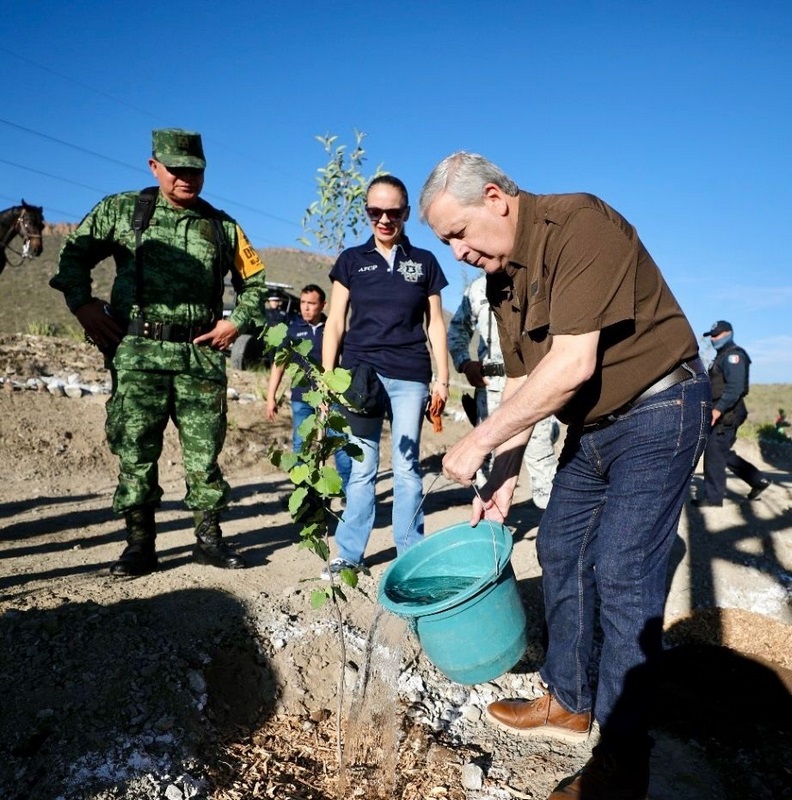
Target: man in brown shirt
(590,332)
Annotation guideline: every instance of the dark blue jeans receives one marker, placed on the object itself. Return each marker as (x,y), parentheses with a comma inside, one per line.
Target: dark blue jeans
(604,543)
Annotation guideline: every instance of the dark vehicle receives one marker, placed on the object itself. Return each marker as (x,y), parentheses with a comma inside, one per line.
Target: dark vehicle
(279,306)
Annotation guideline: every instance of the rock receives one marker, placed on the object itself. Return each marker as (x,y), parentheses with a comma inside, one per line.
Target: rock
(196,681)
(350,676)
(472,714)
(472,777)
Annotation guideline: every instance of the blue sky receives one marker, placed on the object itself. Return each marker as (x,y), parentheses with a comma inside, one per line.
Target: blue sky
(676,113)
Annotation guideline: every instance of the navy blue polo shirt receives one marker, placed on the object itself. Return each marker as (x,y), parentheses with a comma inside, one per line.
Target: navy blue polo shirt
(388,308)
(299,330)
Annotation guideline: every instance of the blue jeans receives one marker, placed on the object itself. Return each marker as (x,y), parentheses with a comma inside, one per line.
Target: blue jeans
(407,400)
(605,538)
(300,412)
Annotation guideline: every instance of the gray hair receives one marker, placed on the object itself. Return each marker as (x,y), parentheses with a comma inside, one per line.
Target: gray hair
(464,176)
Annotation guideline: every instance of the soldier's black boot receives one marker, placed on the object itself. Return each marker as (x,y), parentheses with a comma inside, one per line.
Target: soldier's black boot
(210,548)
(139,556)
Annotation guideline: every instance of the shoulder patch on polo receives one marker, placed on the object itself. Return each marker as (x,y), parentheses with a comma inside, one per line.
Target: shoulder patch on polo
(734,358)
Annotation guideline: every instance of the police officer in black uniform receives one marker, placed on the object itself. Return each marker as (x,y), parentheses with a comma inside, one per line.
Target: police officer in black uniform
(729,378)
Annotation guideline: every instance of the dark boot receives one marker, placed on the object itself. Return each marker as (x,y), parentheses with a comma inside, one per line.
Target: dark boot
(139,556)
(210,549)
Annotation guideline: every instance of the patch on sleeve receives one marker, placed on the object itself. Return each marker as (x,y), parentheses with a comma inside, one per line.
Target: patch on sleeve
(246,259)
(734,358)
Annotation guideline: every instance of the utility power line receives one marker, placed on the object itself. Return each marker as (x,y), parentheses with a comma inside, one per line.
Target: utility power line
(54,177)
(122,164)
(72,146)
(120,101)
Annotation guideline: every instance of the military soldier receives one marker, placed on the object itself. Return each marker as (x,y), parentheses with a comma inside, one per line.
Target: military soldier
(163,335)
(729,378)
(487,375)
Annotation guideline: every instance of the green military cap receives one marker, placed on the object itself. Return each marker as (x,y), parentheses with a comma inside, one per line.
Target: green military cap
(175,147)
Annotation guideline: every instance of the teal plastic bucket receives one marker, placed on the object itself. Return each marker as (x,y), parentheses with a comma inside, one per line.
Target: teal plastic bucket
(458,588)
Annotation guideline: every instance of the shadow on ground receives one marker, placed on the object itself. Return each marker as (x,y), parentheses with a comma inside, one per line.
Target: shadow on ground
(103,695)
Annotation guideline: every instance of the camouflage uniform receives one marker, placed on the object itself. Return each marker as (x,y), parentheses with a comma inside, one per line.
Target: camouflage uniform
(474,314)
(154,381)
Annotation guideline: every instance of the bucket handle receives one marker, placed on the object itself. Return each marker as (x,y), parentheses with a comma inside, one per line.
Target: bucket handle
(492,531)
(492,526)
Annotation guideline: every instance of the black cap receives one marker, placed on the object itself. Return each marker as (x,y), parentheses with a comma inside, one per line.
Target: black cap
(719,327)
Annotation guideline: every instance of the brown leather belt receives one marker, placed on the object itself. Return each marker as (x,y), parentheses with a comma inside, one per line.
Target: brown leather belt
(685,371)
(165,331)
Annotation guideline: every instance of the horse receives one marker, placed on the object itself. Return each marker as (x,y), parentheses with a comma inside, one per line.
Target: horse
(26,221)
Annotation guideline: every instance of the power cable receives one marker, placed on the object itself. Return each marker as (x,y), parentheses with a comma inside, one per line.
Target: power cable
(72,146)
(78,83)
(128,166)
(145,113)
(56,177)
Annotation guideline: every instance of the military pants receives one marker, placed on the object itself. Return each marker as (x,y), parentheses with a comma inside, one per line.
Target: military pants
(717,456)
(540,457)
(140,406)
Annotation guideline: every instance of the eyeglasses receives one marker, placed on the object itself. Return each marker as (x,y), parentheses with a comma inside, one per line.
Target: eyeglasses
(393,214)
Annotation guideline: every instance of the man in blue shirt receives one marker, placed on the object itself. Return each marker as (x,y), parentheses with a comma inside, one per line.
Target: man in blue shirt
(309,325)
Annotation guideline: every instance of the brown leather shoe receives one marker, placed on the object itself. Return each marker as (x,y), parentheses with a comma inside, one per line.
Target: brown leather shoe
(606,778)
(544,716)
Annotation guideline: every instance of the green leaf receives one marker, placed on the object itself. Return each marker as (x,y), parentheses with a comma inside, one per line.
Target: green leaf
(306,426)
(287,460)
(300,474)
(303,347)
(338,380)
(349,577)
(322,550)
(318,598)
(314,398)
(296,499)
(354,451)
(329,482)
(275,335)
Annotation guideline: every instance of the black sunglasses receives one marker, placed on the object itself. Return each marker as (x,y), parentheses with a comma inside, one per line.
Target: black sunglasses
(393,214)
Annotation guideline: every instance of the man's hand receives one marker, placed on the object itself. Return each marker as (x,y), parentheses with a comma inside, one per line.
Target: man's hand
(272,409)
(99,326)
(463,459)
(221,337)
(472,371)
(492,503)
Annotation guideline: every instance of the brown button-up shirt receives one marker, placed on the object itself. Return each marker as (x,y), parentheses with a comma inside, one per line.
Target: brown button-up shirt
(578,266)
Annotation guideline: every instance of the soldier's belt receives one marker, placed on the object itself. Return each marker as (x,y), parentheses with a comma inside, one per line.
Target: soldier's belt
(165,331)
(491,370)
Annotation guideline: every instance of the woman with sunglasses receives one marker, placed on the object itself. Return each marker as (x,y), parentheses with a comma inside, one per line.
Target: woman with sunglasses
(393,291)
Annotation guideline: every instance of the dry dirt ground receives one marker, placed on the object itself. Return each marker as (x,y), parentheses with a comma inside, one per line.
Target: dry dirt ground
(231,679)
